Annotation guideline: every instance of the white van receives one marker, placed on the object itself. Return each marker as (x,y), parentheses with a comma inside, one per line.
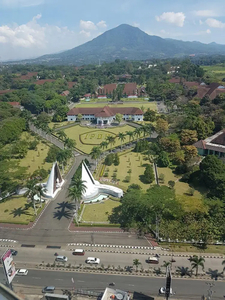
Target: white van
(78,252)
(93,260)
(152,260)
(61,258)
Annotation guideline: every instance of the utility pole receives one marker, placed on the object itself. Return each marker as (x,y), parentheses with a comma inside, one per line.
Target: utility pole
(168,282)
(209,291)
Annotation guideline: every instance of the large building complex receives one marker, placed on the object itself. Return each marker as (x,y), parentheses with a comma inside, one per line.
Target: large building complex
(105,115)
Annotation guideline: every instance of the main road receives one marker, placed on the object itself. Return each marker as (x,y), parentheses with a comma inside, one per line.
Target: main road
(184,288)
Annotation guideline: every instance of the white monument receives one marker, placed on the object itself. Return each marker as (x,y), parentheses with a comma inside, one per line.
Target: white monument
(54,183)
(95,188)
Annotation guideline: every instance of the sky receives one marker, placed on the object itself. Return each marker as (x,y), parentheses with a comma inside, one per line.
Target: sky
(31,28)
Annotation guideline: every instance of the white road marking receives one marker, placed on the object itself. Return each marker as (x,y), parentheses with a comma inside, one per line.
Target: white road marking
(131,284)
(80,281)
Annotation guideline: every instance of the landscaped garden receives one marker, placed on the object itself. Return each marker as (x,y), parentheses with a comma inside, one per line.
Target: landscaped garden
(87,137)
(129,171)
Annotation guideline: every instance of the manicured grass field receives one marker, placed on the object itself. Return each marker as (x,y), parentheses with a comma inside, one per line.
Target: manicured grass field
(146,105)
(35,158)
(99,212)
(129,161)
(13,210)
(92,137)
(215,68)
(180,187)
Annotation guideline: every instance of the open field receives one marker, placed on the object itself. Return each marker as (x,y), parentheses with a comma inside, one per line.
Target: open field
(218,70)
(86,138)
(180,187)
(146,105)
(35,158)
(129,161)
(99,212)
(14,210)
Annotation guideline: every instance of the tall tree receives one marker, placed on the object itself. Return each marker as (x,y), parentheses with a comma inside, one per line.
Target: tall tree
(104,145)
(76,189)
(95,154)
(121,137)
(130,134)
(111,140)
(62,135)
(197,262)
(31,192)
(136,263)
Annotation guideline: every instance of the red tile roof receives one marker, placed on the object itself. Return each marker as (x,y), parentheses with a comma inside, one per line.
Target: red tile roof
(14,104)
(105,111)
(130,88)
(42,81)
(107,89)
(71,84)
(65,93)
(191,84)
(5,91)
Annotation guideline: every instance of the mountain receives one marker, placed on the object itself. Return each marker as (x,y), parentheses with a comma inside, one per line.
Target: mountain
(128,42)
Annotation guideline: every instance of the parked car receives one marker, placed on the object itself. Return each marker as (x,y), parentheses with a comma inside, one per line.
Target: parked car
(61,258)
(14,252)
(162,291)
(48,289)
(93,260)
(22,272)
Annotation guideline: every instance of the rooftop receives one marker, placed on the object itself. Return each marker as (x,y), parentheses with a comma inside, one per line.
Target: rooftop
(105,111)
(115,294)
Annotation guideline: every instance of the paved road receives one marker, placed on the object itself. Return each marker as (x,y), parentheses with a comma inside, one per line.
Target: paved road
(30,257)
(189,289)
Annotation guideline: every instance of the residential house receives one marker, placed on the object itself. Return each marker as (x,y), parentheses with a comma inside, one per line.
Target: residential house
(65,93)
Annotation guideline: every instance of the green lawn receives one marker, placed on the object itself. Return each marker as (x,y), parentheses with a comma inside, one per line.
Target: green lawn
(35,158)
(98,212)
(86,138)
(180,187)
(146,105)
(129,161)
(13,210)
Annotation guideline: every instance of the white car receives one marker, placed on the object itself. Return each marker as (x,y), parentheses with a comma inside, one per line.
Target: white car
(162,291)
(22,272)
(93,260)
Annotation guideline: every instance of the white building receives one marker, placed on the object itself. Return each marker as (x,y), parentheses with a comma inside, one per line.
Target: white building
(94,189)
(105,115)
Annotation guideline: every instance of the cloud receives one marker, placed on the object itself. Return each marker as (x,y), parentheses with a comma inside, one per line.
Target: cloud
(214,23)
(208,31)
(205,13)
(85,33)
(32,39)
(101,24)
(87,25)
(19,3)
(172,18)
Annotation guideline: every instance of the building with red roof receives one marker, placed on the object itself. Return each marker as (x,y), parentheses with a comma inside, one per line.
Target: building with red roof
(106,114)
(213,145)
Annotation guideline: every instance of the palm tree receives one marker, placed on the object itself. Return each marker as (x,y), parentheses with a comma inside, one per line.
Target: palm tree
(62,135)
(63,156)
(104,145)
(166,264)
(137,132)
(196,262)
(121,137)
(136,263)
(95,154)
(111,140)
(40,192)
(31,192)
(69,143)
(130,134)
(145,129)
(76,189)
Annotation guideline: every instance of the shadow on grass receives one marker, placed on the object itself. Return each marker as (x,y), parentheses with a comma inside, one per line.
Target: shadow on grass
(64,210)
(18,212)
(142,178)
(214,274)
